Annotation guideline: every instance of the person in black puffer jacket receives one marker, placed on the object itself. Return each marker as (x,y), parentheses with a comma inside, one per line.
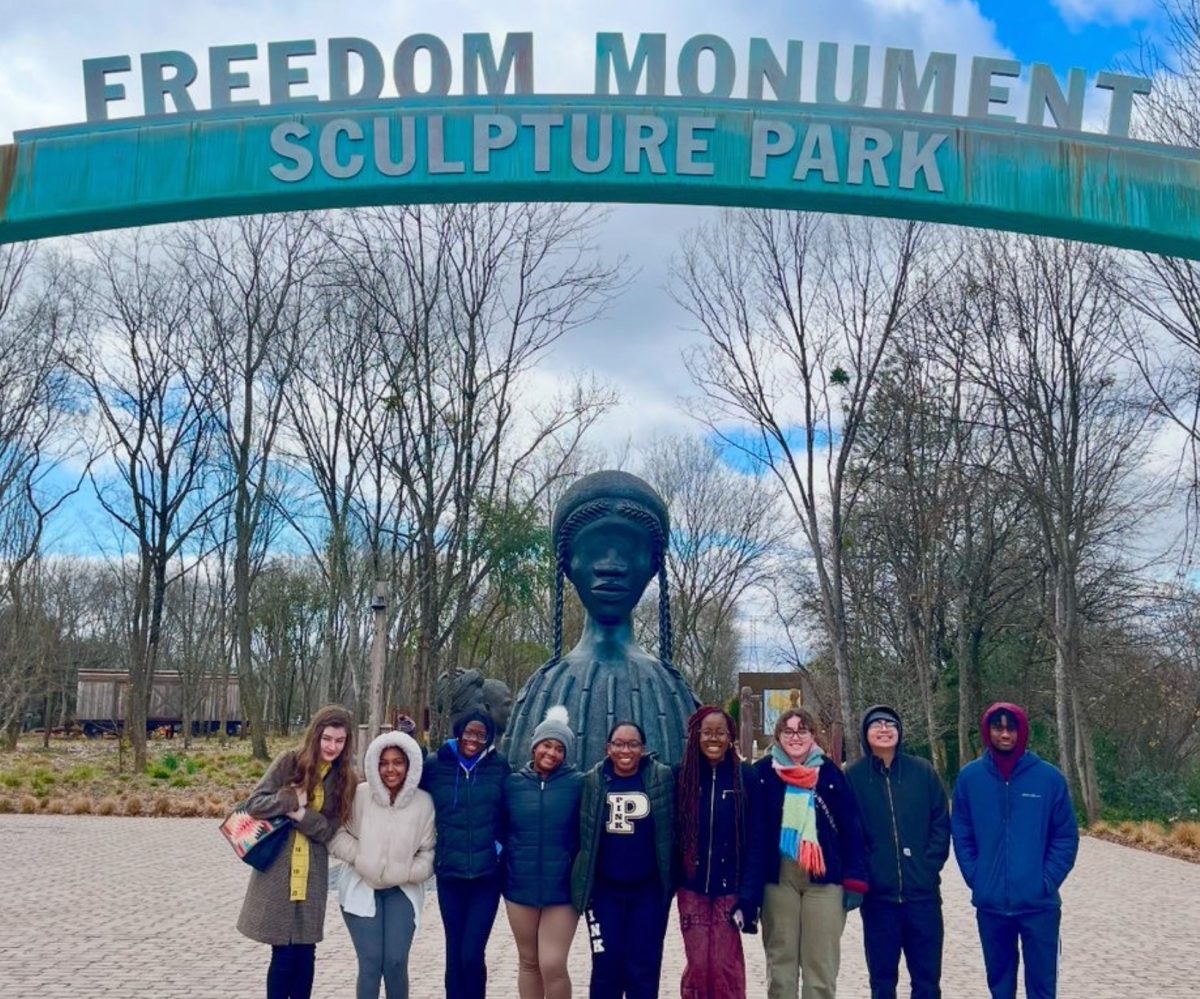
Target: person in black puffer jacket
(720,869)
(541,824)
(466,779)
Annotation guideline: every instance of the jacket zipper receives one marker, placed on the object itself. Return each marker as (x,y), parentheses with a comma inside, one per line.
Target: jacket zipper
(712,808)
(887,782)
(1007,816)
(541,834)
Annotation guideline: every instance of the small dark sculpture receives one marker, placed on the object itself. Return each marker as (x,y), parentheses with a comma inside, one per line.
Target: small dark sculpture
(460,692)
(610,532)
(498,703)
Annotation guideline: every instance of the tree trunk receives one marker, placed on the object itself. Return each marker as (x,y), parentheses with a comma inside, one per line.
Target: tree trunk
(1086,760)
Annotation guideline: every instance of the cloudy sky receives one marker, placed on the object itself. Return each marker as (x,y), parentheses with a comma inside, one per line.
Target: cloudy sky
(638,346)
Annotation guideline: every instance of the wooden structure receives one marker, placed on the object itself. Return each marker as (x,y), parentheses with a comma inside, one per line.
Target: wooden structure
(101,697)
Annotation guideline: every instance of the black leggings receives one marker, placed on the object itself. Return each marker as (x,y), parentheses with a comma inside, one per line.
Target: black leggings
(291,973)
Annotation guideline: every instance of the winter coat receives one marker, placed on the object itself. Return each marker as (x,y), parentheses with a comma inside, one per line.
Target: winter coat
(1016,840)
(906,824)
(389,843)
(660,788)
(268,915)
(726,864)
(839,828)
(467,804)
(541,826)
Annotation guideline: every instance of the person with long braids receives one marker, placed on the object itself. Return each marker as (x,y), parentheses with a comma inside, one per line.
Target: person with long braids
(813,860)
(720,869)
(610,533)
(285,904)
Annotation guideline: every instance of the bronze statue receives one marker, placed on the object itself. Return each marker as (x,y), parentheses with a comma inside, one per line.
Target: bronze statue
(465,691)
(610,533)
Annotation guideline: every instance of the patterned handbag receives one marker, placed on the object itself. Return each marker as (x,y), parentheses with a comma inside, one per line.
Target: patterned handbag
(256,841)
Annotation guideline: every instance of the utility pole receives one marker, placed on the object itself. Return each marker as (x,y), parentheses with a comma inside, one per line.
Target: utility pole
(378,659)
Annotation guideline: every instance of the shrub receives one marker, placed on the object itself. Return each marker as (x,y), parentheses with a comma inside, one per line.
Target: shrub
(10,780)
(56,806)
(7,805)
(28,804)
(80,774)
(1186,834)
(107,806)
(190,766)
(161,807)
(134,805)
(187,808)
(159,770)
(179,780)
(80,805)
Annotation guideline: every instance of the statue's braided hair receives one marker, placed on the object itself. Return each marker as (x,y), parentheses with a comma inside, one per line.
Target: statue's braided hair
(588,512)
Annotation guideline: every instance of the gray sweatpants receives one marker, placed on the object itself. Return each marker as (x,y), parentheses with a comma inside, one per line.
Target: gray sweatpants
(382,943)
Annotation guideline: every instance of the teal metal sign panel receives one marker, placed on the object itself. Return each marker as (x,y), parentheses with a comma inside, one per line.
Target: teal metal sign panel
(862,161)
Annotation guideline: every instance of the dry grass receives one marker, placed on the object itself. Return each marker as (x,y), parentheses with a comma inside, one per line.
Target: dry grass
(1181,840)
(133,805)
(7,805)
(161,807)
(1186,835)
(108,806)
(28,804)
(80,805)
(56,806)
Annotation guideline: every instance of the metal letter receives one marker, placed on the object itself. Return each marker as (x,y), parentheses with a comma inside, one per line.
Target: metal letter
(293,151)
(900,79)
(688,146)
(327,146)
(644,133)
(1123,89)
(340,50)
(650,57)
(580,159)
(817,152)
(282,76)
(983,94)
(860,74)
(97,91)
(764,66)
(1044,92)
(478,54)
(862,155)
(490,131)
(383,146)
(440,72)
(156,85)
(768,138)
(435,126)
(915,158)
(724,66)
(222,80)
(541,125)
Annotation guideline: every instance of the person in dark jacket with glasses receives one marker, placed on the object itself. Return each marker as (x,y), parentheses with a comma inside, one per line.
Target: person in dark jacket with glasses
(541,823)
(906,825)
(466,779)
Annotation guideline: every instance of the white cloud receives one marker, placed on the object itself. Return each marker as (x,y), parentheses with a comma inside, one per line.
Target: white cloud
(1080,12)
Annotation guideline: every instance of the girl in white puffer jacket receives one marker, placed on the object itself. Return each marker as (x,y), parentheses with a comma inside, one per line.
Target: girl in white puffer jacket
(389,844)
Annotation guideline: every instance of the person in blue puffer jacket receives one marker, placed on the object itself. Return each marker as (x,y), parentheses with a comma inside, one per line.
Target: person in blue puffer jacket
(466,779)
(1015,839)
(541,823)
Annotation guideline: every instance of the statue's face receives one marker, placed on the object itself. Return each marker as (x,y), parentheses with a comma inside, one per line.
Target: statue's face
(612,562)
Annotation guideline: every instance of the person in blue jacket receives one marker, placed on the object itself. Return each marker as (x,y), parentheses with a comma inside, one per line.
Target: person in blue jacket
(466,779)
(1015,839)
(541,824)
(907,828)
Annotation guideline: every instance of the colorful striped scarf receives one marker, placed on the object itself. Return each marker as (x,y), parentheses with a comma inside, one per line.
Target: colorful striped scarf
(299,879)
(798,830)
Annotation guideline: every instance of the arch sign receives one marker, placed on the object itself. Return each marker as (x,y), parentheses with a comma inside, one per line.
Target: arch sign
(744,130)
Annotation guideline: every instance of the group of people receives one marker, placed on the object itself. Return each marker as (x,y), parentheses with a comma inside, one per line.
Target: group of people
(791,841)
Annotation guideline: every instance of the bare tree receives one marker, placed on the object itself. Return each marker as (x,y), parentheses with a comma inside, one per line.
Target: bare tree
(798,313)
(725,530)
(252,277)
(1049,322)
(151,390)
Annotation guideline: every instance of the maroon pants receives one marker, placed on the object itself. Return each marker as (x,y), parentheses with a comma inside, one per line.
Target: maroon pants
(715,967)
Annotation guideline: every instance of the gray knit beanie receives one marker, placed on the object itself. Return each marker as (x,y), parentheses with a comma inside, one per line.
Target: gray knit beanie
(555,726)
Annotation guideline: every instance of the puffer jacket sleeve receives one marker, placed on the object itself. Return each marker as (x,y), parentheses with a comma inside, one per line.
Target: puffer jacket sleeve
(1062,845)
(274,794)
(422,863)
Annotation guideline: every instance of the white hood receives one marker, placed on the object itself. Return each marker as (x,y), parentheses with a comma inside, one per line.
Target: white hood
(416,763)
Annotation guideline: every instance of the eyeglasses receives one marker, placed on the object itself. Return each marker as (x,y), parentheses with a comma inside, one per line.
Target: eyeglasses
(883,723)
(620,745)
(794,733)
(473,737)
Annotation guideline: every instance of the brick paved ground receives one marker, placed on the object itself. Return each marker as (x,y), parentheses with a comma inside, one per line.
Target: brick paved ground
(111,907)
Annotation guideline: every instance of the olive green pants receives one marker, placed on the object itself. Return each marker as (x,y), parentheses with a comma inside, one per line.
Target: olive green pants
(802,931)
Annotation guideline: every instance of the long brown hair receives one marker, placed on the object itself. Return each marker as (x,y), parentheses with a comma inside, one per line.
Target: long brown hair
(308,760)
(688,789)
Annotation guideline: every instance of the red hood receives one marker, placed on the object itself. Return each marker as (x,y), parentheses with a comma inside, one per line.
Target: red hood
(985,732)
